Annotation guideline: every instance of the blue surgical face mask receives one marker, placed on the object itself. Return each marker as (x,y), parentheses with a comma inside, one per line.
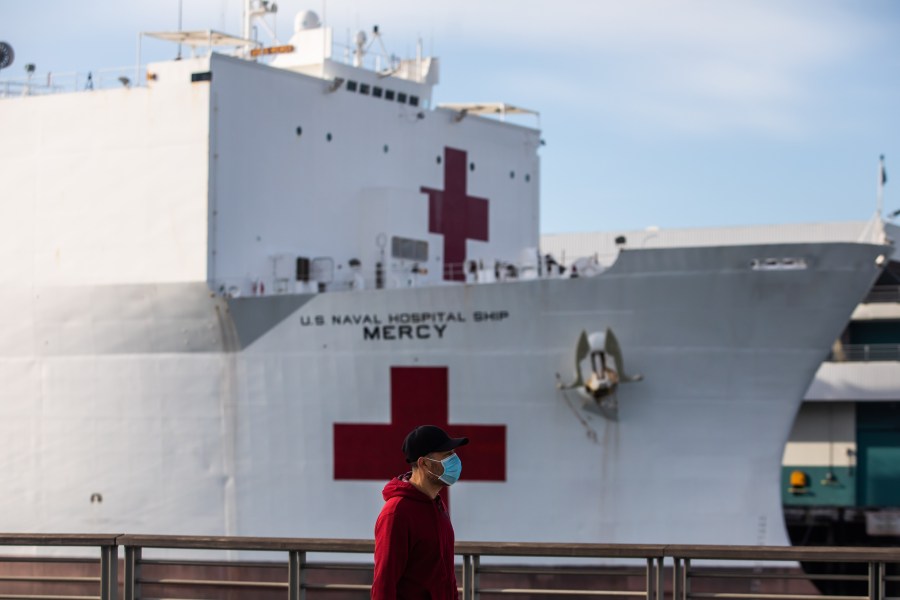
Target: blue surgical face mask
(452,468)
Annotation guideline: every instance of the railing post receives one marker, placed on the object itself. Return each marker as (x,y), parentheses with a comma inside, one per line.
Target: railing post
(475,561)
(686,579)
(676,578)
(109,572)
(875,580)
(650,580)
(660,581)
(466,579)
(296,575)
(132,573)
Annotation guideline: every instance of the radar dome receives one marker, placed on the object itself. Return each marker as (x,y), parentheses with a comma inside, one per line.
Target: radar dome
(306,20)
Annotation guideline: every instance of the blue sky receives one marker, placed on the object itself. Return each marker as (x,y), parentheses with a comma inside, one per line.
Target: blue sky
(673,113)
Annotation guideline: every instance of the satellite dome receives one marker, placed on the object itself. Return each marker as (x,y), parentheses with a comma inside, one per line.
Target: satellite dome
(306,20)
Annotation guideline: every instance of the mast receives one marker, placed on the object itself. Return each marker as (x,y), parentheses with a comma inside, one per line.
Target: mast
(256,9)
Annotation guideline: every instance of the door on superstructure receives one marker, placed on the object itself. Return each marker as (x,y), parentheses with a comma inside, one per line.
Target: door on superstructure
(878,454)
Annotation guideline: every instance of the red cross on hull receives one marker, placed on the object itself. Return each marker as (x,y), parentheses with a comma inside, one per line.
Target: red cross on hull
(455,214)
(419,396)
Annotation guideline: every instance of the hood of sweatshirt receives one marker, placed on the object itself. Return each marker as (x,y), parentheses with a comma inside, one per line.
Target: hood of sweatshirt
(400,486)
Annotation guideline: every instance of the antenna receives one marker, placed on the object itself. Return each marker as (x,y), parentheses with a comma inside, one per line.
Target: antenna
(324,29)
(256,10)
(360,51)
(180,13)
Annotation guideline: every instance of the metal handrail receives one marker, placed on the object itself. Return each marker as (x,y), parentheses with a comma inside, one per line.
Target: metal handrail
(653,558)
(403,274)
(109,557)
(73,81)
(866,353)
(684,573)
(883,293)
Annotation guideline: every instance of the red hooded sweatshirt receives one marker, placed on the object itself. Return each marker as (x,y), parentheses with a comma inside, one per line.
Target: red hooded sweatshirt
(413,546)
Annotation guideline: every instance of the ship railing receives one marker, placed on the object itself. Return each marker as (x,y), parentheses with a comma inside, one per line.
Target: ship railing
(699,572)
(406,274)
(865,353)
(72,81)
(377,58)
(307,568)
(883,294)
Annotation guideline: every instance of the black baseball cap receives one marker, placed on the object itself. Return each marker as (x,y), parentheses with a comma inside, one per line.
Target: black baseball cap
(426,439)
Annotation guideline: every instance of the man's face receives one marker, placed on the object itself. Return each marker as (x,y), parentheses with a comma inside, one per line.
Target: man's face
(434,465)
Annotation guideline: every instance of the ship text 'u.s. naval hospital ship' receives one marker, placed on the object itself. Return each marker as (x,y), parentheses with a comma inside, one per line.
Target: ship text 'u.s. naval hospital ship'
(231,286)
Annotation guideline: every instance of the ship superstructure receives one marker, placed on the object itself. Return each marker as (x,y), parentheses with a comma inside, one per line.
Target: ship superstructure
(230,292)
(841,474)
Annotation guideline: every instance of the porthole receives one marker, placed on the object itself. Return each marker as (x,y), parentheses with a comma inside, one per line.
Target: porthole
(512,174)
(438,160)
(527,178)
(471,166)
(328,136)
(386,148)
(299,131)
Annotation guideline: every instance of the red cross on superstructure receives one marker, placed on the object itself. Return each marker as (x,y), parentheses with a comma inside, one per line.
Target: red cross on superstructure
(419,396)
(455,214)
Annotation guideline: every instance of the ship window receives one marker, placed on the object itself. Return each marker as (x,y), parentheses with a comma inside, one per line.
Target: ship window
(409,249)
(364,89)
(438,160)
(527,178)
(386,148)
(328,136)
(413,100)
(376,92)
(388,94)
(299,130)
(471,166)
(351,86)
(401,97)
(512,174)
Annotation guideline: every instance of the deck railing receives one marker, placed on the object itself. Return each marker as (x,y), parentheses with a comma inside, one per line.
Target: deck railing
(883,293)
(866,353)
(684,566)
(72,81)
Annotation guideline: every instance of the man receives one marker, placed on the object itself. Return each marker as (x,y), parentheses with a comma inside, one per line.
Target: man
(413,534)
